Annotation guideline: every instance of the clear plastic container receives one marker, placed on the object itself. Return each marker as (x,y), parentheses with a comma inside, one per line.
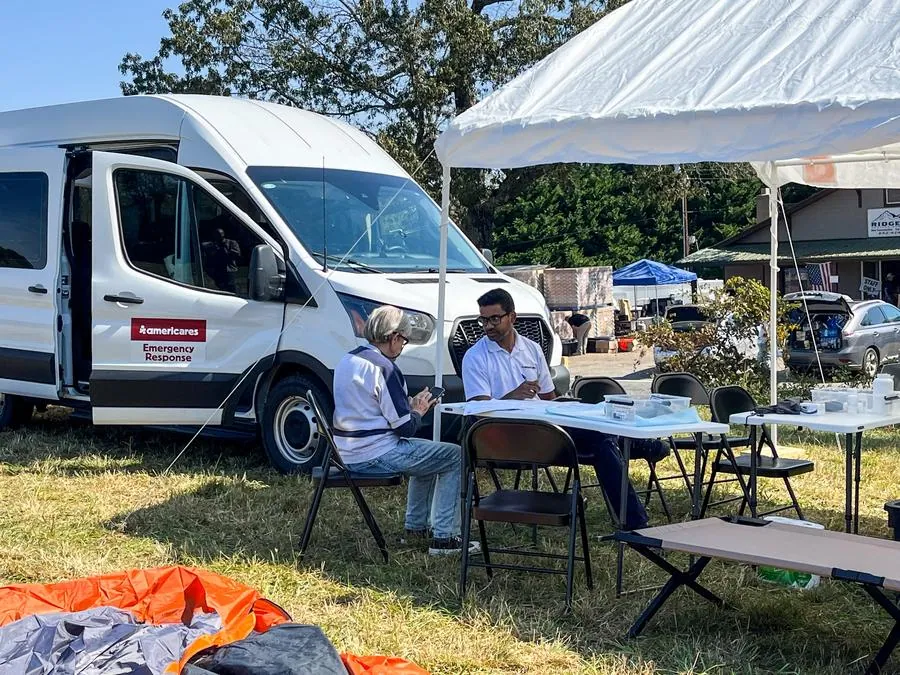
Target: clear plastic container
(676,403)
(626,408)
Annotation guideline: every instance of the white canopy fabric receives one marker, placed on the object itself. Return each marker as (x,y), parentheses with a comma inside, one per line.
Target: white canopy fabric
(866,169)
(681,81)
(806,90)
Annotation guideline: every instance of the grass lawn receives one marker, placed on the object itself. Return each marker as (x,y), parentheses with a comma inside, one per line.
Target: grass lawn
(77,500)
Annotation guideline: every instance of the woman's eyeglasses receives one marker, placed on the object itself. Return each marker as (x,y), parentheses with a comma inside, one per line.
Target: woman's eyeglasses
(492,320)
(403,337)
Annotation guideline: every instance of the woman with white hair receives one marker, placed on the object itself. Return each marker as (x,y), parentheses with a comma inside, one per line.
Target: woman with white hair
(375,420)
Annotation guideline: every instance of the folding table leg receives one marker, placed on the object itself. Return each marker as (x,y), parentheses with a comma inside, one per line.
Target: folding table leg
(698,477)
(858,460)
(623,514)
(848,484)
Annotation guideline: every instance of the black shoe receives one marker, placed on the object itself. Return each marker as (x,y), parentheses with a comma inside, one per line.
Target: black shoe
(451,546)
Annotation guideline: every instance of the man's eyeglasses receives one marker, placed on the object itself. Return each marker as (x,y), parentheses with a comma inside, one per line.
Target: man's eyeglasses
(492,320)
(403,337)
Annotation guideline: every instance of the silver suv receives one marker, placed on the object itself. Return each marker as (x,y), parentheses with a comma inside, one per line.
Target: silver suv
(858,334)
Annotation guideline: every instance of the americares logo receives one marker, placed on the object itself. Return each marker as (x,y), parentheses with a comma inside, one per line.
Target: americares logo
(168,330)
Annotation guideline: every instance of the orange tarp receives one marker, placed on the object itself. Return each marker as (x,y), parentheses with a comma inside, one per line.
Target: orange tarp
(155,596)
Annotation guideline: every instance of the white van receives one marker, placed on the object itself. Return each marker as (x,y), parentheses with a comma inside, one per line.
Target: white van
(192,260)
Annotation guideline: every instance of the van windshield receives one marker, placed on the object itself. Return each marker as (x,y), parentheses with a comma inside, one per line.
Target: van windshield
(373,222)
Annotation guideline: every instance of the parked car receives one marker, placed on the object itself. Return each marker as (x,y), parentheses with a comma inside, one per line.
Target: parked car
(857,334)
(693,317)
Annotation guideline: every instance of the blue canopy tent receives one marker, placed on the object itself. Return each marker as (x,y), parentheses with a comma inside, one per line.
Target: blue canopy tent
(650,273)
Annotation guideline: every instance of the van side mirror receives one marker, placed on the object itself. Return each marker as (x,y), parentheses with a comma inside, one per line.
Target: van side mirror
(266,280)
(488,255)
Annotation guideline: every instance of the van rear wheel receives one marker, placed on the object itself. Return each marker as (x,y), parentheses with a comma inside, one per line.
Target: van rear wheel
(289,434)
(14,411)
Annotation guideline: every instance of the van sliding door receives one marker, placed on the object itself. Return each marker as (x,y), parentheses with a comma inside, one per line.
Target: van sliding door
(176,335)
(31,183)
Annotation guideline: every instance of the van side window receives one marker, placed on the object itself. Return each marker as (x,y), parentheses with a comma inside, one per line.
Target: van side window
(173,229)
(23,220)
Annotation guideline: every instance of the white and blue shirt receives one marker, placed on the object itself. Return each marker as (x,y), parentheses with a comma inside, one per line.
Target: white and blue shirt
(489,370)
(371,406)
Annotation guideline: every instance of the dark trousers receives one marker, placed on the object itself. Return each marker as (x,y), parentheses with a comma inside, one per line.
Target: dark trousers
(602,452)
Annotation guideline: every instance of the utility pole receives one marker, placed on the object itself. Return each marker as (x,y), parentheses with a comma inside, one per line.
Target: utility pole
(685,234)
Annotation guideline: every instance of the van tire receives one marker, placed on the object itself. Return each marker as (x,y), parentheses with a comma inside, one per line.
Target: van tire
(289,435)
(14,411)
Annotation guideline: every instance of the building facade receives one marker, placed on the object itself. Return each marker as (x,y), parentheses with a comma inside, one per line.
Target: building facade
(849,237)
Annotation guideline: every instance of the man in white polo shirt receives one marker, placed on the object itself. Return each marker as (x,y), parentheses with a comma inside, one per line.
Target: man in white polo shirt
(375,420)
(506,365)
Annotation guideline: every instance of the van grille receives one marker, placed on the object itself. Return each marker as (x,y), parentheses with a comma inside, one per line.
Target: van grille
(469,331)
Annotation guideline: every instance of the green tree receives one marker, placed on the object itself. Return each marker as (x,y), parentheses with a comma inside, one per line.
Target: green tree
(569,215)
(396,68)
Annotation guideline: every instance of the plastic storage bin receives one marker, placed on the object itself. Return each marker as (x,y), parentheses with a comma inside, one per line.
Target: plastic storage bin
(627,408)
(676,403)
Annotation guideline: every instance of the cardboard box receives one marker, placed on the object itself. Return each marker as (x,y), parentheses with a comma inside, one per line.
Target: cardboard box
(602,345)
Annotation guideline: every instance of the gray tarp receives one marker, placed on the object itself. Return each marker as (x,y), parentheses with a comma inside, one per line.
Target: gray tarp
(103,640)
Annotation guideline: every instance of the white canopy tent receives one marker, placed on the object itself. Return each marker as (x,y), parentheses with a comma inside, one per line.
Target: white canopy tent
(806,90)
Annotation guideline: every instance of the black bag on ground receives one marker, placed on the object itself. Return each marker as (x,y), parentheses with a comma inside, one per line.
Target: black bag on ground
(287,649)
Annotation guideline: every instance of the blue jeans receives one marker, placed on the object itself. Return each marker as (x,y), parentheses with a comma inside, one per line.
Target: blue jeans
(434,474)
(602,451)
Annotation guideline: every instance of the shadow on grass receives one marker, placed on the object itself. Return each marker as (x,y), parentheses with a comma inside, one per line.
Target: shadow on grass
(64,444)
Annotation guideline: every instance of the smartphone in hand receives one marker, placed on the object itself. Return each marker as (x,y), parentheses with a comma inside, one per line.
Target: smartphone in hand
(436,392)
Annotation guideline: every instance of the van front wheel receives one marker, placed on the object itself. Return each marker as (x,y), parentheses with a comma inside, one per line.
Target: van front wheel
(14,411)
(289,434)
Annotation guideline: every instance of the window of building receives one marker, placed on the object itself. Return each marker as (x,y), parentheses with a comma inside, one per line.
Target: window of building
(23,220)
(892,196)
(174,229)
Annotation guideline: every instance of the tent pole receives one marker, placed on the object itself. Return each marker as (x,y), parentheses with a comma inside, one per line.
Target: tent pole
(440,342)
(773,286)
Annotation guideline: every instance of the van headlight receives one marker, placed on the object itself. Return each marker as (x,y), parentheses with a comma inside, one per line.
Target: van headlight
(359,309)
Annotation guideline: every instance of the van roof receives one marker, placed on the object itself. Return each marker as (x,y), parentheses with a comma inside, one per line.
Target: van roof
(252,132)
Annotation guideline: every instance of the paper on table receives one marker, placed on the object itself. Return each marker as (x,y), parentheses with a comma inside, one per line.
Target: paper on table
(586,410)
(598,412)
(493,405)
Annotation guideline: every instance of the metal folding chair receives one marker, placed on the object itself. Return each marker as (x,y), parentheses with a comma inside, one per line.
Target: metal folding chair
(333,473)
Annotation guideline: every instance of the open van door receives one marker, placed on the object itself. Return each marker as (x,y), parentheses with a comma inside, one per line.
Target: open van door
(187,296)
(31,181)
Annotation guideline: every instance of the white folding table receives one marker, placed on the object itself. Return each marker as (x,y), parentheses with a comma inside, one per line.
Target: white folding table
(538,411)
(850,425)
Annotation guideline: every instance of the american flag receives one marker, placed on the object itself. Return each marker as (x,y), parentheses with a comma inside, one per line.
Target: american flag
(819,277)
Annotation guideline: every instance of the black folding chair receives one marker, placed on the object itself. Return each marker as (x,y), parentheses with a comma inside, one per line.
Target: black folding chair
(686,384)
(333,473)
(595,390)
(530,444)
(725,402)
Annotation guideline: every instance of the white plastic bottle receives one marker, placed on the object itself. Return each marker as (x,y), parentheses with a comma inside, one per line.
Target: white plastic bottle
(881,387)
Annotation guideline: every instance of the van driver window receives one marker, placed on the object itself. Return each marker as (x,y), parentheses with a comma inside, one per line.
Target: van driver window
(23,220)
(173,229)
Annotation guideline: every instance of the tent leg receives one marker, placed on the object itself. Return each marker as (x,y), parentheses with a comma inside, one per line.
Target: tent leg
(773,288)
(440,344)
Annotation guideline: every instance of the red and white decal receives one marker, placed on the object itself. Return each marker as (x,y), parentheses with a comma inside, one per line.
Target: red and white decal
(168,330)
(169,342)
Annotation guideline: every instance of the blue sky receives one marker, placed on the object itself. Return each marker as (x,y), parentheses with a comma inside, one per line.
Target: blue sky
(57,51)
